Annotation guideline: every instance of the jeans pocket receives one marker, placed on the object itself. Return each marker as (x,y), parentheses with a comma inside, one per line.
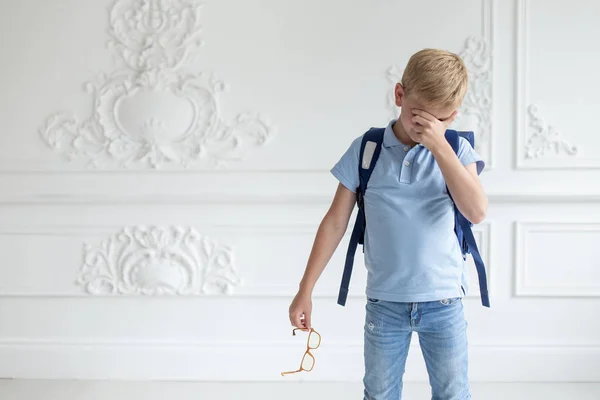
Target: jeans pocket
(450,301)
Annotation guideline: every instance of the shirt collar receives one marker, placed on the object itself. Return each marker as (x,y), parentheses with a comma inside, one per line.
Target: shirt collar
(389,137)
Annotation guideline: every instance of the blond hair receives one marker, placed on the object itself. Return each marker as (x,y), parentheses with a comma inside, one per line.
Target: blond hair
(436,77)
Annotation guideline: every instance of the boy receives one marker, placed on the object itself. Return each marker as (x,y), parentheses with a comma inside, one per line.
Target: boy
(416,273)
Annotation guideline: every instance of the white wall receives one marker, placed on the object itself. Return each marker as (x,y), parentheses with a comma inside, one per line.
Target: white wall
(228,233)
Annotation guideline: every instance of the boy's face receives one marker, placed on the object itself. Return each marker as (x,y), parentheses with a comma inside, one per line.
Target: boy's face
(410,103)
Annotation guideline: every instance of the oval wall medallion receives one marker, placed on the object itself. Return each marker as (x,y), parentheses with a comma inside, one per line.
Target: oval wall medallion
(150,112)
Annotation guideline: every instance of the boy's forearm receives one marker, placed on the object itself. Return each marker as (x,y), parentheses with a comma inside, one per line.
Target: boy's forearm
(328,237)
(467,192)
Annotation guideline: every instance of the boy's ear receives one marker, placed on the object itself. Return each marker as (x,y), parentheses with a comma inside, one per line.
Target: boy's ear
(399,94)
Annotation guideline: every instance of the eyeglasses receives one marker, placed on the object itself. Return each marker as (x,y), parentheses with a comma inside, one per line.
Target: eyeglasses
(308,360)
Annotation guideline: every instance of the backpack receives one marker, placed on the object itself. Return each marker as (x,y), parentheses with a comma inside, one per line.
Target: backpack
(462,226)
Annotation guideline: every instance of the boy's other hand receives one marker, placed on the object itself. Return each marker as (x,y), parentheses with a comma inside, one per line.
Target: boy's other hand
(430,129)
(300,310)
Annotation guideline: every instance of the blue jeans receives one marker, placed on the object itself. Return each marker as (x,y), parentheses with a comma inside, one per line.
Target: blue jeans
(442,331)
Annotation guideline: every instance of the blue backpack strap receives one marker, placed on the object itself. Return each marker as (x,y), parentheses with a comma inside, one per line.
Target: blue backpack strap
(462,225)
(374,135)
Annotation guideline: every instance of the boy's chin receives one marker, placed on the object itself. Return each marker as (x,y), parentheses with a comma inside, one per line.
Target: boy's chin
(414,137)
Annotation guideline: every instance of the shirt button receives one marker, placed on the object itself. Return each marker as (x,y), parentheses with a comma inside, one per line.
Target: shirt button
(405,148)
(407,163)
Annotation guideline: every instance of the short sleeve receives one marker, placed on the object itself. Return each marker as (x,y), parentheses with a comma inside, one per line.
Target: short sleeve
(346,169)
(467,155)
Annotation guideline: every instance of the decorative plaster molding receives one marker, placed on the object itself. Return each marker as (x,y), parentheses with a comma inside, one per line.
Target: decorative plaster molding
(475,112)
(150,112)
(524,286)
(544,138)
(538,145)
(158,261)
(476,109)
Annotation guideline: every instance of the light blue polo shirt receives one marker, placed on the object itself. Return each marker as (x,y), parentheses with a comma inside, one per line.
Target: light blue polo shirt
(411,251)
